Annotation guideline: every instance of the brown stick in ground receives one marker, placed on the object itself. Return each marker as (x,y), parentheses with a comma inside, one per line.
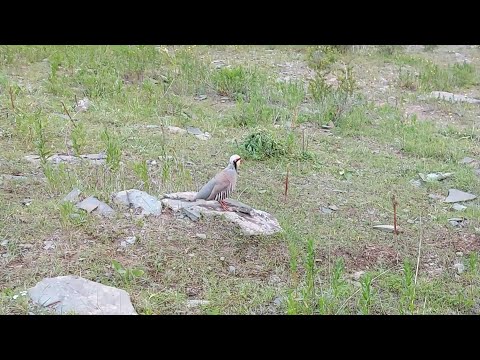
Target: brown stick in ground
(286,185)
(11,98)
(395,203)
(68,114)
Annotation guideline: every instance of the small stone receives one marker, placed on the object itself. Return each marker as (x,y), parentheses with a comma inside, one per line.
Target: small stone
(89,204)
(194,131)
(435,176)
(204,136)
(4,243)
(131,240)
(201,236)
(128,241)
(27,202)
(459,267)
(459,253)
(326,210)
(195,303)
(387,228)
(232,270)
(83,105)
(333,207)
(459,207)
(278,301)
(192,214)
(14,177)
(73,196)
(48,245)
(93,204)
(416,183)
(467,160)
(357,275)
(222,258)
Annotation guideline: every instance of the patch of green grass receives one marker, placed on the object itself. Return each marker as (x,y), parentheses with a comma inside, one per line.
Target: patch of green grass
(194,74)
(232,82)
(407,303)
(419,138)
(367,294)
(457,76)
(113,150)
(141,170)
(70,214)
(40,139)
(79,138)
(290,94)
(407,79)
(253,113)
(264,144)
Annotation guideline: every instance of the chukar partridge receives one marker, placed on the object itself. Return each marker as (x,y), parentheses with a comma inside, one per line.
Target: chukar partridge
(221,185)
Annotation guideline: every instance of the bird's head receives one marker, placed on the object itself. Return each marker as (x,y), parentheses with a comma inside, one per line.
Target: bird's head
(235,160)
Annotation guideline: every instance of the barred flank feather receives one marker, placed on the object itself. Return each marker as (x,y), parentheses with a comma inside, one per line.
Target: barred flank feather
(222,195)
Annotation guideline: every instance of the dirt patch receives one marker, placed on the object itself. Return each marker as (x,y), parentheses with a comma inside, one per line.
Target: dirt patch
(367,257)
(455,241)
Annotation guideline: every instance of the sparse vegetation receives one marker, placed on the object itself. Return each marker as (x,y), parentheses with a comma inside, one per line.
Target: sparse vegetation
(350,128)
(113,151)
(79,138)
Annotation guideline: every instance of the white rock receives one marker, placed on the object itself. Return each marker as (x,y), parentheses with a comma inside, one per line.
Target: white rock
(139,199)
(455,195)
(250,221)
(66,294)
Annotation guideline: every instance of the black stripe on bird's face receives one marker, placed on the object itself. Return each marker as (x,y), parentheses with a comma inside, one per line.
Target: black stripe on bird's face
(235,164)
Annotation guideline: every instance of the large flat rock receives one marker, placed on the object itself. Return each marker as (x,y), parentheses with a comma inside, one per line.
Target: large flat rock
(73,294)
(251,221)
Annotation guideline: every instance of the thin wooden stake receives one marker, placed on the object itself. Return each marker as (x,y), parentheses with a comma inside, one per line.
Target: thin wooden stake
(68,114)
(303,141)
(395,203)
(286,185)
(11,98)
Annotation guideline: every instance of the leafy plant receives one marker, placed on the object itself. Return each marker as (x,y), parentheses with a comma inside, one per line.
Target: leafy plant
(127,274)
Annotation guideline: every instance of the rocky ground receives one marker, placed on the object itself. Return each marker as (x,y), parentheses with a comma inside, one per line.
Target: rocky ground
(358,193)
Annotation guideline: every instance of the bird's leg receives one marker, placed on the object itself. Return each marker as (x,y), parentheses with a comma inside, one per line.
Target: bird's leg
(223,205)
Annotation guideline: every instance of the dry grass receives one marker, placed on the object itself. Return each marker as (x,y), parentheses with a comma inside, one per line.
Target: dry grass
(374,150)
